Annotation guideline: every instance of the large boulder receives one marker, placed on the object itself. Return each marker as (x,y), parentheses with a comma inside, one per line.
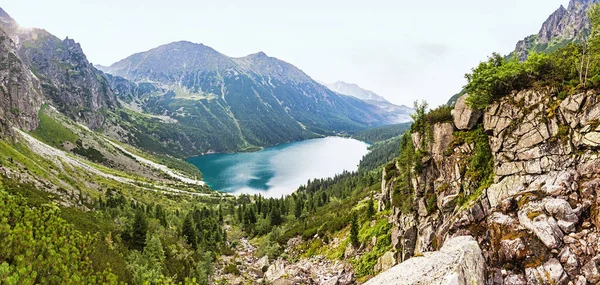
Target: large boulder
(532,217)
(549,273)
(591,270)
(275,271)
(386,261)
(465,117)
(459,261)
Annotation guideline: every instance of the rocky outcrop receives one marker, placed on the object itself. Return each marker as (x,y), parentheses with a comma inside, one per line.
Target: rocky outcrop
(459,261)
(464,116)
(20,91)
(68,80)
(536,222)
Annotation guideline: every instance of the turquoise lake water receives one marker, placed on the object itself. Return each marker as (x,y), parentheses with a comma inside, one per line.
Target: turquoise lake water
(280,170)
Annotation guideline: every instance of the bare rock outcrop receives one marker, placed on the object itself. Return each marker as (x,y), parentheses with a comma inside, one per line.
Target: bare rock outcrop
(539,212)
(465,117)
(20,91)
(459,261)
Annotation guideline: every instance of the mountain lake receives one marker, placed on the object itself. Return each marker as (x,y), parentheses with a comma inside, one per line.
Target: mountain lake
(280,170)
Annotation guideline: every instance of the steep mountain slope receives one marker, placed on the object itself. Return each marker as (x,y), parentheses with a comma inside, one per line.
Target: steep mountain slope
(562,27)
(21,90)
(257,100)
(394,113)
(67,79)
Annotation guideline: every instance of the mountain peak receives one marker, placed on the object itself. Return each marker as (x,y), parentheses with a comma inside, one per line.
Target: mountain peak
(7,22)
(259,54)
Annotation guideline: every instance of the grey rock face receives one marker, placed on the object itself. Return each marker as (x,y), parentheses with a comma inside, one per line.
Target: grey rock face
(68,81)
(459,261)
(465,117)
(540,212)
(20,90)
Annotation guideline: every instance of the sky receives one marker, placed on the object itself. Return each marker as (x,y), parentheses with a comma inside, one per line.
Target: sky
(402,50)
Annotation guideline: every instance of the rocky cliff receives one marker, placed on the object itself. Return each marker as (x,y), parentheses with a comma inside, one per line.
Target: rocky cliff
(20,90)
(68,81)
(534,216)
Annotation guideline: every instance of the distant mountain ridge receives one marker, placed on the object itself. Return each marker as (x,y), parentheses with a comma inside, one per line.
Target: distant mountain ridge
(354,90)
(254,100)
(564,26)
(398,114)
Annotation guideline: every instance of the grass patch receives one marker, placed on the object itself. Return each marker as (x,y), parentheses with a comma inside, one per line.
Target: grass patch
(52,131)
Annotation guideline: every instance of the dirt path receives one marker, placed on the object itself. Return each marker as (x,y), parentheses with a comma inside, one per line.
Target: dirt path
(60,157)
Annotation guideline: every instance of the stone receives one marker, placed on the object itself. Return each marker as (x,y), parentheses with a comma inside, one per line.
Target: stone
(284,281)
(531,139)
(459,261)
(237,281)
(515,279)
(443,134)
(350,252)
(531,217)
(513,249)
(332,281)
(580,280)
(385,262)
(591,270)
(562,211)
(569,261)
(422,209)
(465,117)
(591,139)
(553,190)
(20,89)
(275,271)
(346,278)
(396,238)
(263,263)
(550,272)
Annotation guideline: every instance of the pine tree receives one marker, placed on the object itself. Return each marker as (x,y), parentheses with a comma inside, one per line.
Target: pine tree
(140,228)
(188,231)
(220,214)
(370,208)
(299,207)
(354,232)
(240,216)
(275,217)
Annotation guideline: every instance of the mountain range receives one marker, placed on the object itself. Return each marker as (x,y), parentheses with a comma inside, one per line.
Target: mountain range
(184,98)
(255,100)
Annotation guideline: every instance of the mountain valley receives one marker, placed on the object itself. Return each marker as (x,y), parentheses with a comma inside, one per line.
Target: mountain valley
(499,186)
